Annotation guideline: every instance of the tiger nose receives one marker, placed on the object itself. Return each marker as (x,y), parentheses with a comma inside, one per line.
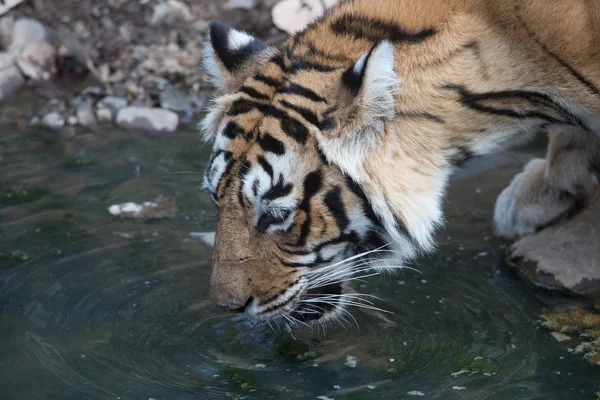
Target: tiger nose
(235,306)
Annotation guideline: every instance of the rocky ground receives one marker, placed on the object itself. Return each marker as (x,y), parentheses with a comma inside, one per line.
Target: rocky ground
(134,62)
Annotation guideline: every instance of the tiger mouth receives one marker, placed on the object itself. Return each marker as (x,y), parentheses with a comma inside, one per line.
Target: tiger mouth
(317,303)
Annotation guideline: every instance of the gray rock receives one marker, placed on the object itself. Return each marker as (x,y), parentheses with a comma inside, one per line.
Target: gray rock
(85,113)
(10,77)
(53,121)
(26,30)
(113,103)
(104,114)
(37,60)
(243,4)
(172,99)
(170,12)
(565,256)
(6,5)
(149,119)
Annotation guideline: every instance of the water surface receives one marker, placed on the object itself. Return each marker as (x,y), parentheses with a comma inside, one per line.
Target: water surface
(97,307)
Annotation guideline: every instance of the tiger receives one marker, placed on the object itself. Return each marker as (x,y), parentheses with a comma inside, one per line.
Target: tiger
(332,152)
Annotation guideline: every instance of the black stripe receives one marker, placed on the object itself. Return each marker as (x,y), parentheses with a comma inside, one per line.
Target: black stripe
(266,166)
(353,80)
(280,189)
(473,100)
(233,130)
(308,115)
(419,115)
(374,30)
(255,187)
(303,91)
(293,252)
(279,61)
(254,93)
(290,126)
(462,155)
(267,80)
(312,185)
(367,208)
(334,203)
(296,265)
(305,65)
(322,53)
(270,144)
(224,183)
(591,87)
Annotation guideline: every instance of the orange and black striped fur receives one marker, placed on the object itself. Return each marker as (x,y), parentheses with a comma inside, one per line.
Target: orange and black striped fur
(342,140)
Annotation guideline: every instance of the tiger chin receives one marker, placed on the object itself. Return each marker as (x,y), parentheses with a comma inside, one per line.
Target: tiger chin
(331,153)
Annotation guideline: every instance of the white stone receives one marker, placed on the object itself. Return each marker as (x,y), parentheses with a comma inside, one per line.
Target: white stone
(351,361)
(170,12)
(10,77)
(6,5)
(37,60)
(26,30)
(415,393)
(53,120)
(147,118)
(292,16)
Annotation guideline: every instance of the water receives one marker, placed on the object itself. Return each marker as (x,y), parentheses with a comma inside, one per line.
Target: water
(96,307)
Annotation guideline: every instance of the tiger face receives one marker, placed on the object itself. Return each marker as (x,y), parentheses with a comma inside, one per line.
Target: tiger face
(295,221)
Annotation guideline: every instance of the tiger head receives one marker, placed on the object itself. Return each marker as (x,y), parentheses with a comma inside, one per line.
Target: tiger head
(301,174)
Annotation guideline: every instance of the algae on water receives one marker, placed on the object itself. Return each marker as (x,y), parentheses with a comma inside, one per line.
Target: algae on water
(579,328)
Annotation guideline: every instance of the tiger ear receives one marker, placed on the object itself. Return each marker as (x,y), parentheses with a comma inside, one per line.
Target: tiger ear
(371,82)
(227,52)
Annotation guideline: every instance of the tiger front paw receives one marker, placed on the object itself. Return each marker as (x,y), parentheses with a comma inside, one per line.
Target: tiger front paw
(529,203)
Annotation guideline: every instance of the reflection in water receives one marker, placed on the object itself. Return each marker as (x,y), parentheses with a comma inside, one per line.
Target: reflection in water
(99,307)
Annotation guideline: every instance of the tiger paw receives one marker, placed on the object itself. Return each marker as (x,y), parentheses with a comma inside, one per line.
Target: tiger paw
(529,203)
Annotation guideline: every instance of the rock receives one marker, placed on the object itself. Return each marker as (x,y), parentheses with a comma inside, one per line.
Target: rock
(85,113)
(37,60)
(104,114)
(53,121)
(112,103)
(172,99)
(6,31)
(565,256)
(146,118)
(10,77)
(6,5)
(243,4)
(162,207)
(292,16)
(170,12)
(26,30)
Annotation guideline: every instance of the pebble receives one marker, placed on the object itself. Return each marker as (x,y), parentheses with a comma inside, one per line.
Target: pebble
(85,114)
(147,118)
(172,99)
(170,12)
(53,121)
(37,60)
(415,393)
(351,361)
(113,103)
(10,78)
(26,30)
(244,4)
(104,115)
(458,387)
(6,5)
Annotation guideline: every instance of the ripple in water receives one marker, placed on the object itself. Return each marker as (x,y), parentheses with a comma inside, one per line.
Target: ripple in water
(102,308)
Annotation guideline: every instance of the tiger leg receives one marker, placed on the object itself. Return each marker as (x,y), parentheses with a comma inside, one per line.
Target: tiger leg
(550,188)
